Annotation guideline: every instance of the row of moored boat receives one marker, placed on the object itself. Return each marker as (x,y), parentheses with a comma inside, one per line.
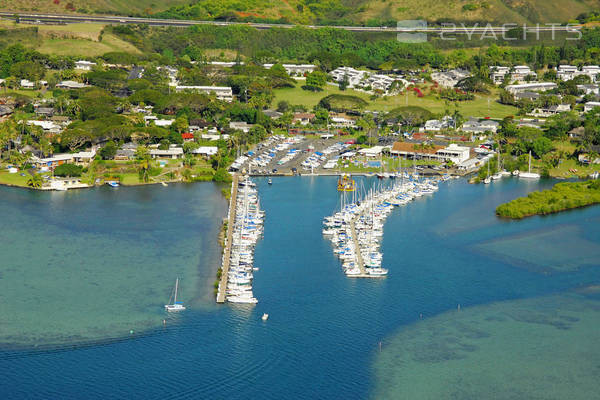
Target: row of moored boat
(356,230)
(247,229)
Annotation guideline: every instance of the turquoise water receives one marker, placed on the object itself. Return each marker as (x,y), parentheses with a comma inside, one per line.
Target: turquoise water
(325,331)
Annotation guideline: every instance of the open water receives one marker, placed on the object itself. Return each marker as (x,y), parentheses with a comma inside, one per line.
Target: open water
(84,276)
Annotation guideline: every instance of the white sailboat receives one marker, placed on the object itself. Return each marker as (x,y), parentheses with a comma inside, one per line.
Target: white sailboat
(175,306)
(529,174)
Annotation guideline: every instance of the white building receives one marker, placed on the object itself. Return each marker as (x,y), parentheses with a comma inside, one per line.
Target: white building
(517,73)
(479,126)
(206,151)
(449,78)
(551,110)
(590,105)
(71,85)
(455,153)
(172,152)
(241,126)
(531,87)
(568,72)
(84,65)
(26,84)
(295,69)
(436,125)
(341,122)
(224,93)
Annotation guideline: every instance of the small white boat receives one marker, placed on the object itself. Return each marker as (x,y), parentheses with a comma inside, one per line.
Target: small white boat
(112,183)
(487,180)
(270,181)
(175,306)
(516,172)
(265,317)
(164,183)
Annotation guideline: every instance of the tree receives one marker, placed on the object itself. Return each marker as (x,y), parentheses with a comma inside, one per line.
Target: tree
(283,106)
(35,181)
(181,124)
(315,81)
(343,84)
(68,170)
(541,146)
(109,150)
(142,156)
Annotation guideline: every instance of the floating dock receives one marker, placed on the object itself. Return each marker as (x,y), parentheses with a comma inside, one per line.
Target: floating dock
(359,259)
(222,290)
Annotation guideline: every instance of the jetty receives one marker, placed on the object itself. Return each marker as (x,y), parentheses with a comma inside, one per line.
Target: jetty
(228,240)
(244,229)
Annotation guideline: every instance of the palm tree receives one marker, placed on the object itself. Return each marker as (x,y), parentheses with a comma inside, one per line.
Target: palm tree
(35,181)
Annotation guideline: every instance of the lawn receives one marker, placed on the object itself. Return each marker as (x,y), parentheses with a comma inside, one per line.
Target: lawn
(482,106)
(563,170)
(13,179)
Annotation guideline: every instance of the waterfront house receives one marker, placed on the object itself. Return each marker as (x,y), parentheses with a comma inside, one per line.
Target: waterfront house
(84,65)
(82,158)
(223,93)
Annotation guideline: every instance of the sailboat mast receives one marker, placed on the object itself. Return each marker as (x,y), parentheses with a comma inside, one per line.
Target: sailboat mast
(176,287)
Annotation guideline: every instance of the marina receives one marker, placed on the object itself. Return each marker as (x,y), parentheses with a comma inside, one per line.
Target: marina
(244,229)
(356,230)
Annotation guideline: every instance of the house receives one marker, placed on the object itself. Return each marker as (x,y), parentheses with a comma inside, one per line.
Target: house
(577,134)
(531,87)
(479,126)
(44,111)
(171,152)
(70,85)
(449,78)
(374,151)
(206,151)
(163,122)
(272,114)
(354,77)
(84,65)
(5,111)
(26,84)
(295,69)
(590,105)
(240,126)
(126,152)
(341,122)
(533,96)
(187,137)
(551,110)
(224,93)
(592,89)
(568,72)
(434,125)
(518,73)
(303,118)
(79,158)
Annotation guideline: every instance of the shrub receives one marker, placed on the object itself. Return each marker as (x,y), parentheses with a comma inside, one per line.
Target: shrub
(70,170)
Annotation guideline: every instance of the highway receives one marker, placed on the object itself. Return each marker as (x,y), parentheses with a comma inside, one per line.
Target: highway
(108,19)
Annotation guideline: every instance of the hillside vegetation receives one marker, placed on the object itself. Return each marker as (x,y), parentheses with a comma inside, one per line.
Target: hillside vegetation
(365,12)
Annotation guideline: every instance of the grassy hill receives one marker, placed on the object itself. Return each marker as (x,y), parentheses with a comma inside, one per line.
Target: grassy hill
(369,12)
(121,7)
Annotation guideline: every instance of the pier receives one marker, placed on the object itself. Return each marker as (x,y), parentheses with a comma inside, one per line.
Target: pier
(228,240)
(359,258)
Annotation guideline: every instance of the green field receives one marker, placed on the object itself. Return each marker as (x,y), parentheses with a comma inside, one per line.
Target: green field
(71,40)
(482,106)
(13,179)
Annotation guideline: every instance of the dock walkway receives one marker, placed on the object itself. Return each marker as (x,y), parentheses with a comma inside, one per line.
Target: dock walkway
(359,259)
(228,240)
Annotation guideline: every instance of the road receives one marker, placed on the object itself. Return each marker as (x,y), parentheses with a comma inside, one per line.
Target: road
(114,19)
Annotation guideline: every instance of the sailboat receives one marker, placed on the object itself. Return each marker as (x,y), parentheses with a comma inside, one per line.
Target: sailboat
(529,174)
(487,178)
(498,175)
(175,306)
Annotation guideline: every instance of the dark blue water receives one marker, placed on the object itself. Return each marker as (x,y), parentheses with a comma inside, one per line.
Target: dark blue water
(324,328)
